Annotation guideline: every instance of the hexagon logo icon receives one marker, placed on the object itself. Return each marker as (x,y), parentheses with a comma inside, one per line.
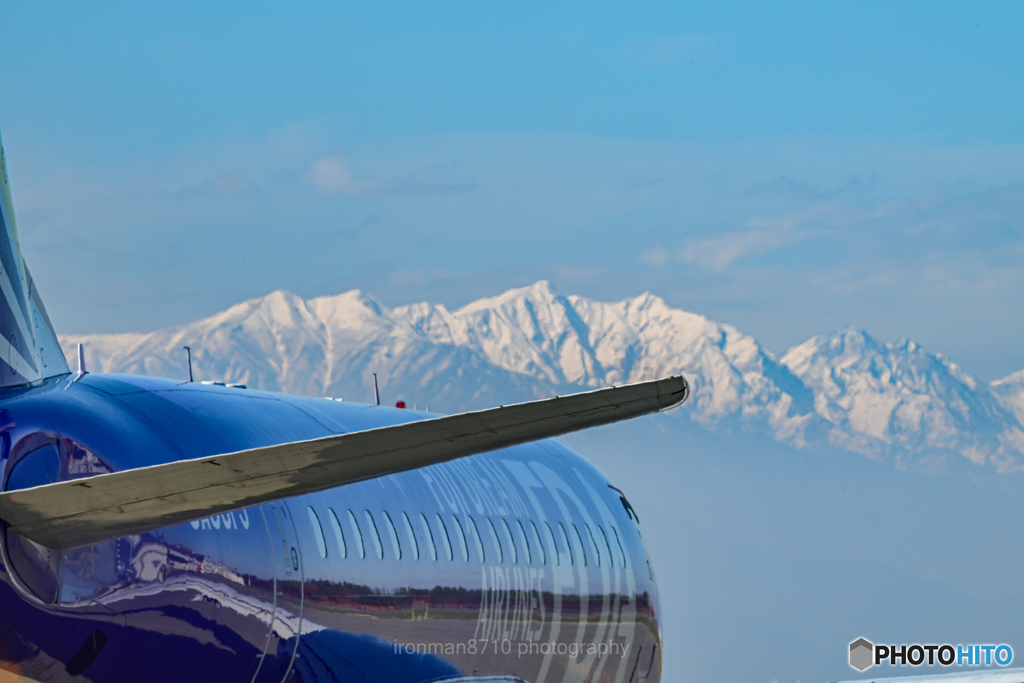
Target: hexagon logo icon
(862,654)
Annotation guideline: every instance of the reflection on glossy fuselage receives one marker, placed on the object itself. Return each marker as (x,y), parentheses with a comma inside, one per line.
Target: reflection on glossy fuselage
(524,562)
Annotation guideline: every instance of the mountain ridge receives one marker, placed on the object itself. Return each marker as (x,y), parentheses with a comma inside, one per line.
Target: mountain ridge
(844,390)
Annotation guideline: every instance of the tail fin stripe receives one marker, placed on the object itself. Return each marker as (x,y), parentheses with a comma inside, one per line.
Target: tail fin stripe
(19,367)
(24,347)
(22,315)
(11,264)
(12,300)
(12,297)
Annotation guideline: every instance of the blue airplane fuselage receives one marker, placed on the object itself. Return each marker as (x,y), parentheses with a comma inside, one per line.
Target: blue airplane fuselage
(523,562)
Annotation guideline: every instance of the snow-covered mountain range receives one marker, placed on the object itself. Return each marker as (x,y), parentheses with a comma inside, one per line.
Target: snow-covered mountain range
(845,390)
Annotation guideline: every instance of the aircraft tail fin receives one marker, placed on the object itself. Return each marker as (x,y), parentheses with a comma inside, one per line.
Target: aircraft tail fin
(29,350)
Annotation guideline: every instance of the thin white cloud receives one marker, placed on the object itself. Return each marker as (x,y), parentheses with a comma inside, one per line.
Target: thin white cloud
(658,257)
(761,236)
(225,186)
(333,175)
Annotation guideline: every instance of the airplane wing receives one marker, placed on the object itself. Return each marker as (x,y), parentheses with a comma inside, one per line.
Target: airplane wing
(986,676)
(82,512)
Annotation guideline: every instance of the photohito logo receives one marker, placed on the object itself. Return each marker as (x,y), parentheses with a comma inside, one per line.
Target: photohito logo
(863,654)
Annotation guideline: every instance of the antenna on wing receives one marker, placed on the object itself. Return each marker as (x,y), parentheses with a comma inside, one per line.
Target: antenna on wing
(376,391)
(188,350)
(82,372)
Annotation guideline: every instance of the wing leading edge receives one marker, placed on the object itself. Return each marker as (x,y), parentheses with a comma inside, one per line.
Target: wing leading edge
(86,511)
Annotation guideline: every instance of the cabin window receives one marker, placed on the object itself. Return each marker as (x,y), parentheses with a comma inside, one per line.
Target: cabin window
(494,540)
(339,535)
(318,531)
(607,545)
(461,536)
(579,538)
(537,544)
(396,547)
(622,553)
(551,539)
(371,530)
(524,542)
(593,544)
(430,537)
(475,533)
(511,543)
(565,540)
(442,533)
(412,537)
(357,534)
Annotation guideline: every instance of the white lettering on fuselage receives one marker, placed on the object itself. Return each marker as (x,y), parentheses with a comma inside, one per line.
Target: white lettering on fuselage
(226,521)
(475,487)
(511,604)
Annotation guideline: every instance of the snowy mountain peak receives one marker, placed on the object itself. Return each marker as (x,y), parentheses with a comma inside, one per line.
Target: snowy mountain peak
(876,396)
(845,389)
(540,291)
(352,310)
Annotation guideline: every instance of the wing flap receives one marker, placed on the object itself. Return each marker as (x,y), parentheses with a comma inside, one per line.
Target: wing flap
(86,511)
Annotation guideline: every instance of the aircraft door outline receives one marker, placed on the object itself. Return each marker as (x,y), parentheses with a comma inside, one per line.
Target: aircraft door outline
(287,570)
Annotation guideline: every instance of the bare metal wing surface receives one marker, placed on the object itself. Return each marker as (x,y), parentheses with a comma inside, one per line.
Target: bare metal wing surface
(86,511)
(986,676)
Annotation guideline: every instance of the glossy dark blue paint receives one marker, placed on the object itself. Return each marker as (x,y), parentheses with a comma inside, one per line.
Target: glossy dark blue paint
(279,592)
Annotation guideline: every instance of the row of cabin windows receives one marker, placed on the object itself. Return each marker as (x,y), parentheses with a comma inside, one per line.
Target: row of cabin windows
(455,540)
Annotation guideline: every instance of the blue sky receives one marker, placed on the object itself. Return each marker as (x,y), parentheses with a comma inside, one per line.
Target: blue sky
(788,170)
